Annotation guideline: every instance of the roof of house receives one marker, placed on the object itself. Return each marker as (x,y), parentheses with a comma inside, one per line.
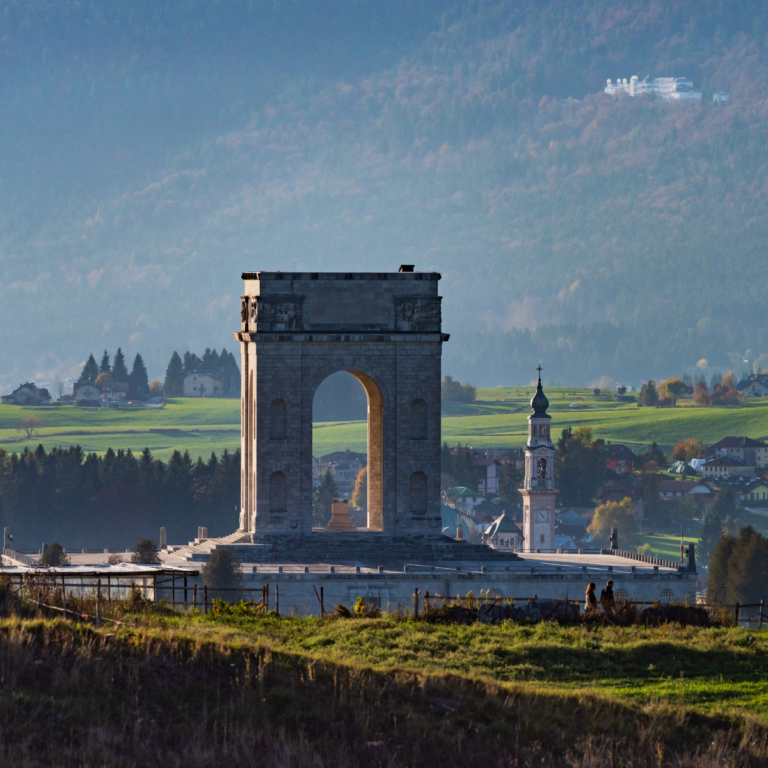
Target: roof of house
(203,373)
(343,456)
(679,486)
(746,383)
(739,442)
(503,524)
(452,519)
(571,518)
(728,461)
(461,490)
(619,452)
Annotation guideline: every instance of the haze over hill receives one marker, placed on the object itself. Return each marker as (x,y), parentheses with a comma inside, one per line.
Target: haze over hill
(154,151)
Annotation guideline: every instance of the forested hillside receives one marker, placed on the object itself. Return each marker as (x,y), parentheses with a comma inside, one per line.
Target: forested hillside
(620,238)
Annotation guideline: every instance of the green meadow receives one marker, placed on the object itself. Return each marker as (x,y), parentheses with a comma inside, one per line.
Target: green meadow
(498,418)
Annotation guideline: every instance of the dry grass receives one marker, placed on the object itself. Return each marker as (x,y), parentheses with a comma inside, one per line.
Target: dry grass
(73,696)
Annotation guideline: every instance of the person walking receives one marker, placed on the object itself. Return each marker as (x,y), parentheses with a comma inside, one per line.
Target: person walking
(607,599)
(590,601)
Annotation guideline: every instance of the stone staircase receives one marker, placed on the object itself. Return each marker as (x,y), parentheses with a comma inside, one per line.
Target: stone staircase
(354,548)
(199,549)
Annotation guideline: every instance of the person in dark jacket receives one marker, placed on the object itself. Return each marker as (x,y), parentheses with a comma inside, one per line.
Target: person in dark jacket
(607,599)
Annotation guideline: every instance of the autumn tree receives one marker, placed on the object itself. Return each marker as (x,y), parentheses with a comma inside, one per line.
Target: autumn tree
(28,425)
(688,449)
(455,392)
(104,378)
(618,514)
(701,394)
(360,493)
(676,388)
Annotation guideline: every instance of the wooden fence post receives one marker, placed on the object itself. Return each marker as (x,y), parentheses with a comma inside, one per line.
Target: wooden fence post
(277,599)
(98,603)
(416,603)
(762,603)
(736,614)
(194,597)
(63,596)
(322,601)
(185,594)
(205,599)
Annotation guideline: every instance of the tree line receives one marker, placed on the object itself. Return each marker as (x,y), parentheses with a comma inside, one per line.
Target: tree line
(87,500)
(222,365)
(106,373)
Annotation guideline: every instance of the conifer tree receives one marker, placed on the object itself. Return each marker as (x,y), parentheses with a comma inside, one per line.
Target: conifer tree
(119,369)
(105,367)
(174,377)
(192,363)
(90,370)
(138,380)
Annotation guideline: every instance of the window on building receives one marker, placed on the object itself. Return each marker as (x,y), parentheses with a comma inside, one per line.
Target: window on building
(542,538)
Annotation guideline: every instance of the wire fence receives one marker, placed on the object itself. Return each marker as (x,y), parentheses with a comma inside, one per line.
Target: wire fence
(88,598)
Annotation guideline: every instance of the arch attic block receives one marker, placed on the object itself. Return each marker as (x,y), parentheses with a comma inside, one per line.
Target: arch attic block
(299,328)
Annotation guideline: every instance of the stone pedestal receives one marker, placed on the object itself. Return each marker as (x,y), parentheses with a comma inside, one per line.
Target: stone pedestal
(340,516)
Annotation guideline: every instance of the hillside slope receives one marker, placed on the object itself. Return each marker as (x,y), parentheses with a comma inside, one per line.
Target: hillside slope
(604,237)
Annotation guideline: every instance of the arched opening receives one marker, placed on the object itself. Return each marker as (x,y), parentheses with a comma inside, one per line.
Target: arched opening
(347,440)
(418,494)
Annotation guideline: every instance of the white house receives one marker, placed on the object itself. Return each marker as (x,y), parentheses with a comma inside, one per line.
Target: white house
(87,391)
(667,88)
(202,385)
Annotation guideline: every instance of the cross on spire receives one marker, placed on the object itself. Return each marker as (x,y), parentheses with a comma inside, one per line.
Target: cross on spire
(539,370)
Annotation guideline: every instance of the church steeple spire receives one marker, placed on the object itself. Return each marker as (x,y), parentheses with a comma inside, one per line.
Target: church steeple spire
(539,403)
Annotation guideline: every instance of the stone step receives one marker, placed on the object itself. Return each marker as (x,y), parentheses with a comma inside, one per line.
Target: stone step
(355,549)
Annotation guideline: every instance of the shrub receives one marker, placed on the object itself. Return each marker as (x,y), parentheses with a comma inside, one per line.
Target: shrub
(223,571)
(145,551)
(54,554)
(114,559)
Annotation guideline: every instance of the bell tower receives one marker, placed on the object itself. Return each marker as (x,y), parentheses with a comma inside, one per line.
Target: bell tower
(538,489)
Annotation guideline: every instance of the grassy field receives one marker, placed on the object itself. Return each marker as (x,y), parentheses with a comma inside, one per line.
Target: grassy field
(169,691)
(497,419)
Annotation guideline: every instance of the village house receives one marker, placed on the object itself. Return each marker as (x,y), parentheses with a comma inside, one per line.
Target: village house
(755,385)
(462,498)
(620,458)
(488,474)
(343,465)
(727,466)
(504,535)
(744,448)
(87,392)
(27,394)
(201,384)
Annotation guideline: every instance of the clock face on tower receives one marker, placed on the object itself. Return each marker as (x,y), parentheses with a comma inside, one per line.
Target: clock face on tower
(542,516)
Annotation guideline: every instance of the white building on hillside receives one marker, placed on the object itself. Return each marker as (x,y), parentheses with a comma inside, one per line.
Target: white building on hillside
(667,88)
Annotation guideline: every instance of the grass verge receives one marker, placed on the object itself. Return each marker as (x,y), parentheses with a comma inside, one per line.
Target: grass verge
(168,696)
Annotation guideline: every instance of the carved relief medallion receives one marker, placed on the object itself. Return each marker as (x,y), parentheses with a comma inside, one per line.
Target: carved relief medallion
(418,313)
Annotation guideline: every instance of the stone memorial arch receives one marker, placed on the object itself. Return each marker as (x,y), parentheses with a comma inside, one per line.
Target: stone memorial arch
(299,328)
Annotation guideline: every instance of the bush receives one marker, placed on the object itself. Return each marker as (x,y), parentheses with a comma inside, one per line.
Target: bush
(54,554)
(223,571)
(145,551)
